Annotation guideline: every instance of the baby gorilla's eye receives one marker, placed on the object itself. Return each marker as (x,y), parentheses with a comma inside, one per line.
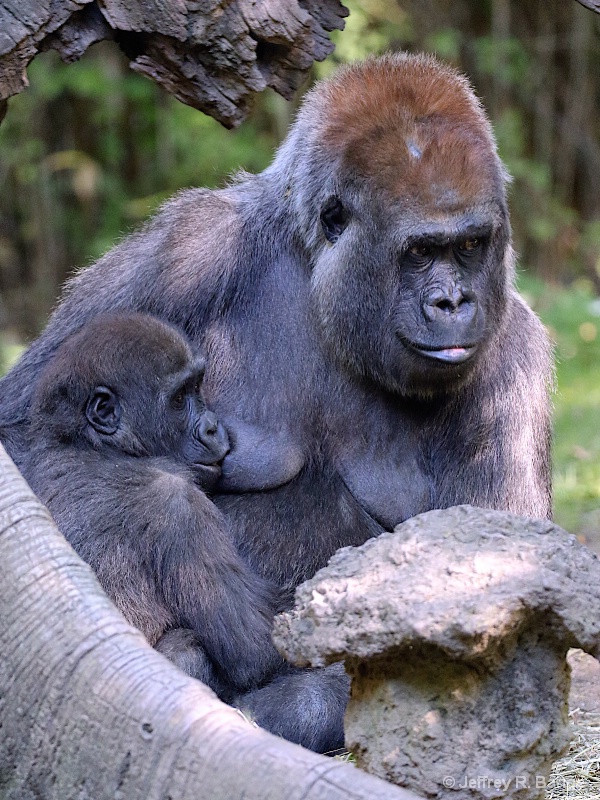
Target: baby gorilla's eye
(198,387)
(178,400)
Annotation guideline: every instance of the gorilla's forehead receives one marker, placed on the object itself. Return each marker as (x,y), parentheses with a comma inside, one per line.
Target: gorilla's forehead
(413,127)
(176,364)
(426,161)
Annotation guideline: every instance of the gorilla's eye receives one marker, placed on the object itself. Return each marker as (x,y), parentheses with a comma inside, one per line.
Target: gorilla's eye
(422,251)
(198,387)
(178,399)
(419,255)
(470,245)
(334,219)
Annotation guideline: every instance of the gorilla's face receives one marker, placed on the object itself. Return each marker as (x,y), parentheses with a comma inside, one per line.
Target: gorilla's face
(130,383)
(409,295)
(161,412)
(410,234)
(402,208)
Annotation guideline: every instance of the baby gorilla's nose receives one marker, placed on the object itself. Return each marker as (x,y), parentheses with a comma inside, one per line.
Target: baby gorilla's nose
(209,424)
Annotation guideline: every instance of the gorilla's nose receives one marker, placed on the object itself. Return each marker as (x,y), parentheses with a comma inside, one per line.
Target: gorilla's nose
(444,304)
(209,424)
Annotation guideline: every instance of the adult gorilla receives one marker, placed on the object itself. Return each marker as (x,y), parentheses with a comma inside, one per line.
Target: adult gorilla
(365,347)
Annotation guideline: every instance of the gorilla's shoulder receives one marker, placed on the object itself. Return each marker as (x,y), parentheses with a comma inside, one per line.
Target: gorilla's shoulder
(195,214)
(208,203)
(521,320)
(524,341)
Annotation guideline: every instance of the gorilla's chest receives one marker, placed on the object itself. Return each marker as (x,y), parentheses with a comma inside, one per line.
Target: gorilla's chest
(350,482)
(289,532)
(317,463)
(389,484)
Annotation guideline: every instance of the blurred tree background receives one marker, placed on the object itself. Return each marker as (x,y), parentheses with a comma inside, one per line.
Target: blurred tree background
(90,150)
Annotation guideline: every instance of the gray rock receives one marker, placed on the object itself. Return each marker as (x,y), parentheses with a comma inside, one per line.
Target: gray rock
(454,630)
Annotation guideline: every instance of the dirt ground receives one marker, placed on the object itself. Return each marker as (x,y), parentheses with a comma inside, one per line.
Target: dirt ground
(585,683)
(577,775)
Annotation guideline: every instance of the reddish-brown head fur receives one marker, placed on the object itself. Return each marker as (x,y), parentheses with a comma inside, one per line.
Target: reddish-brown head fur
(415,126)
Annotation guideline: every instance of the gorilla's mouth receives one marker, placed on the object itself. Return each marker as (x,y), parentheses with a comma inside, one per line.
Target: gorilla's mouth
(208,469)
(206,475)
(446,355)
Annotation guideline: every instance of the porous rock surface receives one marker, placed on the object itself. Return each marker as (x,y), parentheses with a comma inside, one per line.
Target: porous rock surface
(454,629)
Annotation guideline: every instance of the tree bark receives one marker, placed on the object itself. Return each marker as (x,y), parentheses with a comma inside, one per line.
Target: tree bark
(89,711)
(211,54)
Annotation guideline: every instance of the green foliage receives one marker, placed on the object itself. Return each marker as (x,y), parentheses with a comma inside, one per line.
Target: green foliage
(446,43)
(10,351)
(90,149)
(374,26)
(506,60)
(573,319)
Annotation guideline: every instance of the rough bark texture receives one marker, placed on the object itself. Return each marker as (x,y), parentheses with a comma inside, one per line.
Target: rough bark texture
(455,630)
(89,710)
(210,54)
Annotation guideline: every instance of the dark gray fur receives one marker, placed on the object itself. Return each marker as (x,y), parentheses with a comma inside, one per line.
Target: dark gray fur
(302,324)
(130,500)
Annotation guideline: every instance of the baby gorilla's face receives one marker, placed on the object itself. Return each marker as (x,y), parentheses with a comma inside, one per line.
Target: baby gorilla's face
(132,384)
(197,437)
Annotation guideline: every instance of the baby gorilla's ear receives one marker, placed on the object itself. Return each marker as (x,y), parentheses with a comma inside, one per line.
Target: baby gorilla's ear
(103,411)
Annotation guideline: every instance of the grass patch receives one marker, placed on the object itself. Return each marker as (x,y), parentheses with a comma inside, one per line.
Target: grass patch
(577,775)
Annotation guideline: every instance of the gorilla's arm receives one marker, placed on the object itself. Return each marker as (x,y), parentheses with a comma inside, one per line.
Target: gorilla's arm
(162,552)
(498,429)
(183,648)
(207,586)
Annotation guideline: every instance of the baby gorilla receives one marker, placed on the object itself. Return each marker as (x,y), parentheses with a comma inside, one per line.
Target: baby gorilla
(121,446)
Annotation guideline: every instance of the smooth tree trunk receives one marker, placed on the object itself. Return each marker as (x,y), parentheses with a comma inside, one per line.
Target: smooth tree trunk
(89,711)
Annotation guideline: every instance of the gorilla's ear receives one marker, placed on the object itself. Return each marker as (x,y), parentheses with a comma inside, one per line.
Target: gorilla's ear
(334,219)
(103,410)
